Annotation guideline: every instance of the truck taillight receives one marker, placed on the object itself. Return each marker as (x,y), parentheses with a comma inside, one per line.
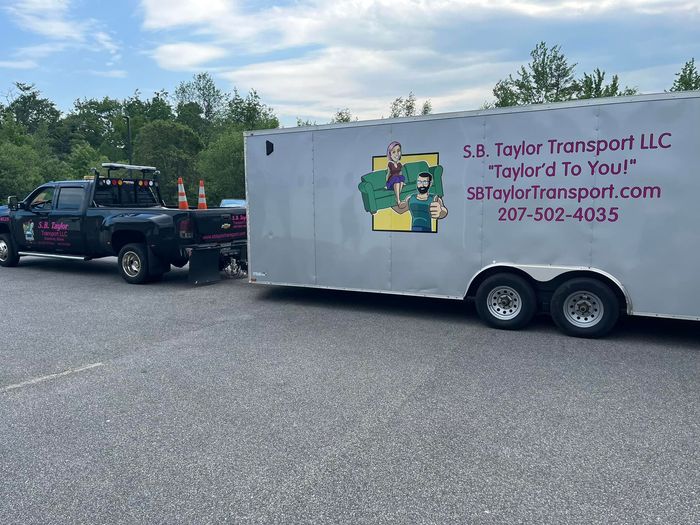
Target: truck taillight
(184,228)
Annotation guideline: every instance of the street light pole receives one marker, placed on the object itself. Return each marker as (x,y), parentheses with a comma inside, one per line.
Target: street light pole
(128,138)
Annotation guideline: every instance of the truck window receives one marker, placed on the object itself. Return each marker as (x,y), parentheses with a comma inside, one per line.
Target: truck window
(41,199)
(70,198)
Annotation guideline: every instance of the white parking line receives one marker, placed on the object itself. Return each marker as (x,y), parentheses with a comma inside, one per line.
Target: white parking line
(52,376)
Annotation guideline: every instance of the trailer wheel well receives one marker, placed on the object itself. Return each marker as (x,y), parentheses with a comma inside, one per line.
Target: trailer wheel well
(615,287)
(123,237)
(474,286)
(546,289)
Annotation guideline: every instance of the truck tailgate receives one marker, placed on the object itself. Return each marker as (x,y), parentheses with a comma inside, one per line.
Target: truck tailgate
(219,225)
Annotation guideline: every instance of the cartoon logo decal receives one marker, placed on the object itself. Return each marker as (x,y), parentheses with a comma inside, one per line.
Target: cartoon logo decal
(404,192)
(28,228)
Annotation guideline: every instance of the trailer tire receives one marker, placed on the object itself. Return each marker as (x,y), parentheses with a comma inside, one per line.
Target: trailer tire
(506,301)
(8,251)
(584,307)
(133,263)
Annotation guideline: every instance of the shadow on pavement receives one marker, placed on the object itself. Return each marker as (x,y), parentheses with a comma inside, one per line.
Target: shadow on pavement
(98,267)
(662,331)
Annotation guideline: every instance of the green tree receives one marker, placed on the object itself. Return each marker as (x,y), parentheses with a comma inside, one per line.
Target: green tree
(341,116)
(20,170)
(190,114)
(172,148)
(31,110)
(301,122)
(593,86)
(249,113)
(547,78)
(407,107)
(221,166)
(26,161)
(203,90)
(688,79)
(158,107)
(101,124)
(83,157)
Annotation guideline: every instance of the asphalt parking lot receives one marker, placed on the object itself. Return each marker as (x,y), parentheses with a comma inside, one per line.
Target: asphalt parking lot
(236,403)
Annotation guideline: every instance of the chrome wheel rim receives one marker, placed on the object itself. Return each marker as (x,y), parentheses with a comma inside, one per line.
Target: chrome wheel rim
(4,251)
(131,264)
(504,303)
(583,309)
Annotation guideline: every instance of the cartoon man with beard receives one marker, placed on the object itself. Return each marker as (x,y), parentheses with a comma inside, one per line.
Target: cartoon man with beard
(423,205)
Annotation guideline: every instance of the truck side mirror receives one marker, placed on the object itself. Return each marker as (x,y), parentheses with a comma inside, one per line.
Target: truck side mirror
(12,203)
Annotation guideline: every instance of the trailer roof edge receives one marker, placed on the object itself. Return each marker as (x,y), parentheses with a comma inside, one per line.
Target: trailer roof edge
(484,112)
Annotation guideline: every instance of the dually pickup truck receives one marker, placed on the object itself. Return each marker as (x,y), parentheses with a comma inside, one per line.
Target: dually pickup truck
(123,217)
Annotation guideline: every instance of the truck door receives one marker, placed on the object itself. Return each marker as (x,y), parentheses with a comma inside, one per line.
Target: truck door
(66,224)
(30,223)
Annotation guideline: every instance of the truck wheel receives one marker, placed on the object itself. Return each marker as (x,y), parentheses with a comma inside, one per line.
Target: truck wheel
(506,301)
(585,307)
(8,252)
(133,263)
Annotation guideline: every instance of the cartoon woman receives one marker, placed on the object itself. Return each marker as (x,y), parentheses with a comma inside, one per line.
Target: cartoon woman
(394,178)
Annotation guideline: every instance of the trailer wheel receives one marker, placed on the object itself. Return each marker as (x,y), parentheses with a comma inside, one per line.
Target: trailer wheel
(133,263)
(506,301)
(585,307)
(8,251)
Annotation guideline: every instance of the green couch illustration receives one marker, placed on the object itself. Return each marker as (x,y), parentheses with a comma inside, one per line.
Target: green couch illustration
(376,197)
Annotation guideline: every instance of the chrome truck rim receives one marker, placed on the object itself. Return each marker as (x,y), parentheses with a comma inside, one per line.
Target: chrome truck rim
(504,303)
(4,250)
(583,309)
(131,263)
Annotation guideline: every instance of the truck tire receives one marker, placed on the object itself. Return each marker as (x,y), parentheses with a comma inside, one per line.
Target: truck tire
(584,307)
(506,301)
(133,263)
(8,251)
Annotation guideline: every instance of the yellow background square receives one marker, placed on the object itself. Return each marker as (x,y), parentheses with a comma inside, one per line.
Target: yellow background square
(387,219)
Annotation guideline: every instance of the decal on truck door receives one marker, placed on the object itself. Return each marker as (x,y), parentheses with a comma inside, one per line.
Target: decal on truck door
(28,228)
(404,191)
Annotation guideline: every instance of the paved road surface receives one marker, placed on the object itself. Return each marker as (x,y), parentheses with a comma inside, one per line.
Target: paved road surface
(241,404)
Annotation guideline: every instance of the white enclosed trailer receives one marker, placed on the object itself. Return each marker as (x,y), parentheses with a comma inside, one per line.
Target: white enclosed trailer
(584,209)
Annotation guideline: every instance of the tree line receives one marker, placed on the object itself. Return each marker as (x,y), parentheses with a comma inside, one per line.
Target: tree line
(197,132)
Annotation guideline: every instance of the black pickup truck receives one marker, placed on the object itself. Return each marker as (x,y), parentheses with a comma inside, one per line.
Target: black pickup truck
(123,217)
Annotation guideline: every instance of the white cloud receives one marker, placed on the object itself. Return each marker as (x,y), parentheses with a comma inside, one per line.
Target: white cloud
(161,14)
(48,18)
(105,41)
(18,64)
(654,79)
(52,19)
(367,81)
(364,49)
(306,22)
(113,73)
(40,50)
(186,56)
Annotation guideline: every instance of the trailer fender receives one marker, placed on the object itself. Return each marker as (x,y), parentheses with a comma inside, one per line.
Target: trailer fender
(541,273)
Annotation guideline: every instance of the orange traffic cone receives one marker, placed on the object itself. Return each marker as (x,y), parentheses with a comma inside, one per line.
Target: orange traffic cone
(181,196)
(202,201)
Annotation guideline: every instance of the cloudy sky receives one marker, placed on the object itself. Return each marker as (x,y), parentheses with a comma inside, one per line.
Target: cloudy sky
(309,58)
